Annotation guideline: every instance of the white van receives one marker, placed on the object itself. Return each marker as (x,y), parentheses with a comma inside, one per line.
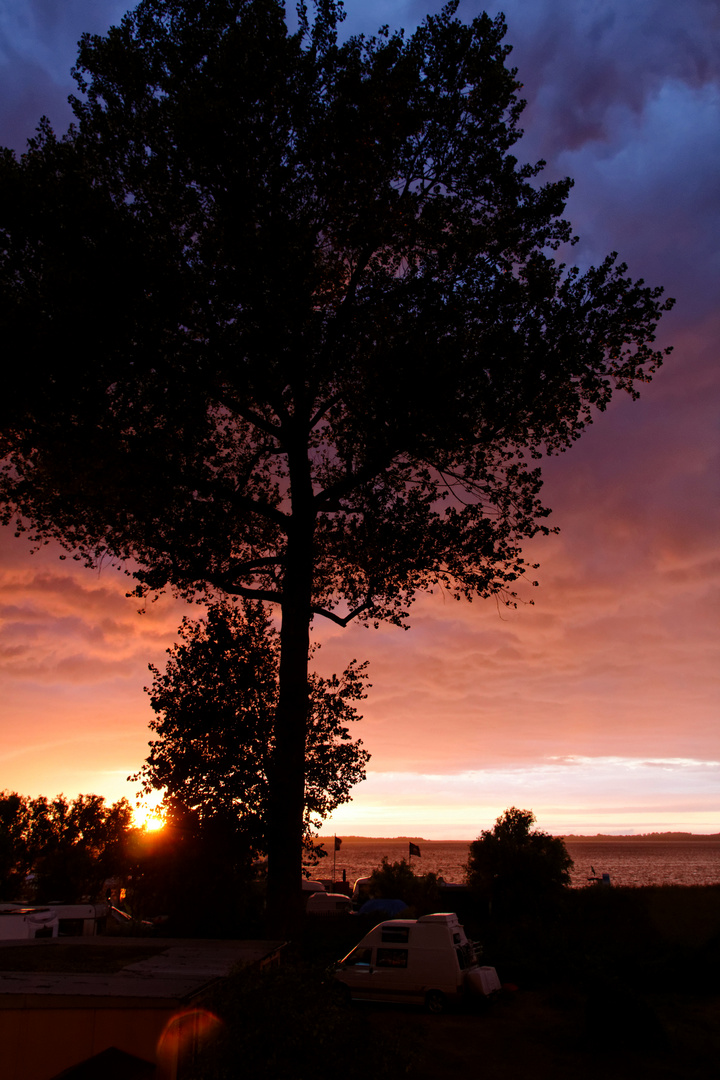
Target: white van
(427,961)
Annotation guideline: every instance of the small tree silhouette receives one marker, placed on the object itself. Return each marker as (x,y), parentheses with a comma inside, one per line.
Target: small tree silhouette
(513,865)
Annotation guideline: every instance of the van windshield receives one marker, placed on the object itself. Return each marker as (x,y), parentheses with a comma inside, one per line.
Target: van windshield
(359,955)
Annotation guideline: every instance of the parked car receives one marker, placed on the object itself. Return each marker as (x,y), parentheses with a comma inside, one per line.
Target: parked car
(427,961)
(324,903)
(309,885)
(311,888)
(361,891)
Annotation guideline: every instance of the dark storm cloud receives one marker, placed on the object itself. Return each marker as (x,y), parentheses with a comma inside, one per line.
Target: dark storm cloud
(38,47)
(625,98)
(580,62)
(617,663)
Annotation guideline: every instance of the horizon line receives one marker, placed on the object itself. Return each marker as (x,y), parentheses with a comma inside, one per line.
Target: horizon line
(565,836)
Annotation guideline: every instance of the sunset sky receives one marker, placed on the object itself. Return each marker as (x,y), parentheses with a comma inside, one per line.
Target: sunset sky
(597,706)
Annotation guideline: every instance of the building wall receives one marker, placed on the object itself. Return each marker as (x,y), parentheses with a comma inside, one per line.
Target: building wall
(37,1043)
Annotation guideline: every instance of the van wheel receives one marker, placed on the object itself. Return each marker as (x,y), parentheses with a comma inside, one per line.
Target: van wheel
(435,1002)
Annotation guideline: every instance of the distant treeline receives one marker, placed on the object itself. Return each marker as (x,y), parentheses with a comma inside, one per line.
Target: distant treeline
(385,840)
(574,838)
(657,837)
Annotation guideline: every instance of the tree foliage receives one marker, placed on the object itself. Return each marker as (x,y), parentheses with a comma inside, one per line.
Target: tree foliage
(291,325)
(68,847)
(15,858)
(515,864)
(215,704)
(398,881)
(195,876)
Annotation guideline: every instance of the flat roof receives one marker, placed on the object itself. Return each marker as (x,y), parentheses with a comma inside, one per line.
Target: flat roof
(172,972)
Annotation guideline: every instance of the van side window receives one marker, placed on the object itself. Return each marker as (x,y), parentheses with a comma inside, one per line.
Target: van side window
(392,958)
(358,956)
(400,935)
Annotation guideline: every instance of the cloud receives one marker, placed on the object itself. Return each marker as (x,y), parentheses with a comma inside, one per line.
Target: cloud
(62,623)
(577,794)
(607,687)
(38,47)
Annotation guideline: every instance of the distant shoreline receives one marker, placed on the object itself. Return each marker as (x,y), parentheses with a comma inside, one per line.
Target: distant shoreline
(575,838)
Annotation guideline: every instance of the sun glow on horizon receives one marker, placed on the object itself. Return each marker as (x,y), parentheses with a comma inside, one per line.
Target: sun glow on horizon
(153,823)
(148,814)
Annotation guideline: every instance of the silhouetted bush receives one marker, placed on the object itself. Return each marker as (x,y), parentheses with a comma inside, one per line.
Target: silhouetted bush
(398,881)
(513,867)
(291,1021)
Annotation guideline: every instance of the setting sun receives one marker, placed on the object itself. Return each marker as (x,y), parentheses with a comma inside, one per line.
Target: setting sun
(153,823)
(148,814)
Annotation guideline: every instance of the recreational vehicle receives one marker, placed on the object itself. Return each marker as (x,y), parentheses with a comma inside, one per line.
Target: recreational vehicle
(427,961)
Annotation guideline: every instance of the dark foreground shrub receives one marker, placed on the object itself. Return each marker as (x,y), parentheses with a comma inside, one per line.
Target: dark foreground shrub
(292,1021)
(398,881)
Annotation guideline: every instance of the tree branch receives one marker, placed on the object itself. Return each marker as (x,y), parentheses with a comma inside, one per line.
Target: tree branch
(339,619)
(244,502)
(327,499)
(249,415)
(251,594)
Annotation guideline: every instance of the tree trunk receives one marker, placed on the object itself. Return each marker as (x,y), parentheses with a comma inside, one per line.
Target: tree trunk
(287,776)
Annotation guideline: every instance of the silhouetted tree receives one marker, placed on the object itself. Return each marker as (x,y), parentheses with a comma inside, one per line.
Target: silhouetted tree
(76,845)
(194,877)
(215,705)
(515,864)
(398,881)
(69,847)
(15,860)
(283,320)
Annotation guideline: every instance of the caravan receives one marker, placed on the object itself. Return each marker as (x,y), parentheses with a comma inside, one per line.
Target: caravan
(20,922)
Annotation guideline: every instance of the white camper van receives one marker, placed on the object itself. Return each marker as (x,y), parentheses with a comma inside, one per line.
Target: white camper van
(428,961)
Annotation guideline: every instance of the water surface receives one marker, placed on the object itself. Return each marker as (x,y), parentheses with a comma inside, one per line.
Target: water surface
(630,862)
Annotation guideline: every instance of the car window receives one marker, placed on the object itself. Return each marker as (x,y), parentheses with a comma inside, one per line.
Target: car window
(358,956)
(392,958)
(398,934)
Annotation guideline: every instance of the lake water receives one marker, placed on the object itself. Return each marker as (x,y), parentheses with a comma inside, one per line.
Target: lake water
(636,862)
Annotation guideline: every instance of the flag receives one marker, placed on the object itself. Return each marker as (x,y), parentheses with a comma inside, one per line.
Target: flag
(414,849)
(338,842)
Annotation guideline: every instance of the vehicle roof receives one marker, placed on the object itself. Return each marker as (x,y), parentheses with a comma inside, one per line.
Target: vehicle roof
(439,917)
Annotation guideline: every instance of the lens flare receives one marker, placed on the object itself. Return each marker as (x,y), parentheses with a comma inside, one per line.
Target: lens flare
(183,1035)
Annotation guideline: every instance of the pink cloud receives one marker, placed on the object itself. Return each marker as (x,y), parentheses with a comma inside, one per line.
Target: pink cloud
(617,660)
